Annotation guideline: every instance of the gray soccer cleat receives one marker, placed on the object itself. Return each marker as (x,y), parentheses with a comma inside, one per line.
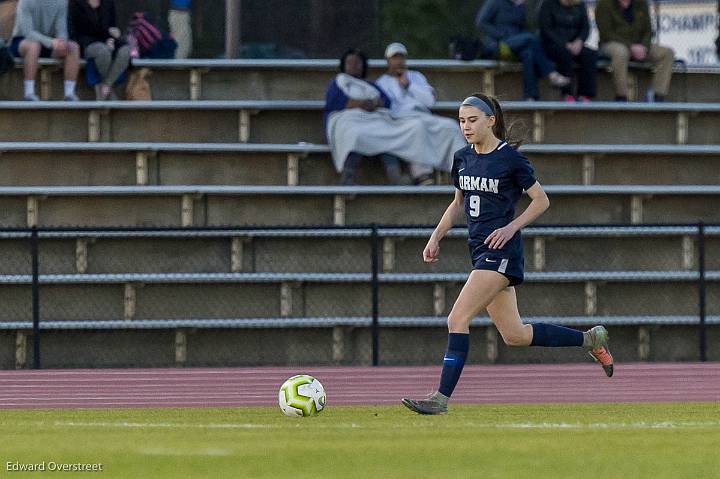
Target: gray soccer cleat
(429,405)
(598,343)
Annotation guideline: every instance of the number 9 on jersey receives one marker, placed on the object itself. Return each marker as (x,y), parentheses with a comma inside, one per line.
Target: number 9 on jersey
(474,206)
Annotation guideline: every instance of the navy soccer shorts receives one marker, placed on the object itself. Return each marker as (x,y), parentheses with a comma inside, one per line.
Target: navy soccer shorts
(510,267)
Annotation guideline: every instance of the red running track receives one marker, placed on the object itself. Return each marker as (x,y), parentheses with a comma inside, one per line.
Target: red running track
(231,387)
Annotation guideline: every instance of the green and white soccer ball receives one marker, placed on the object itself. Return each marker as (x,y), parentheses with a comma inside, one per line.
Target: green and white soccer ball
(302,396)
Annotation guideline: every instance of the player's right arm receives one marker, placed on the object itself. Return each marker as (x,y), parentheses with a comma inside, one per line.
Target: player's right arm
(452,214)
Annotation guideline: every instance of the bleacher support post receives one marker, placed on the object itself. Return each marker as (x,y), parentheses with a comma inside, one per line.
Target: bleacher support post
(196,83)
(243,126)
(539,253)
(439,299)
(688,251)
(34,247)
(388,254)
(375,252)
(293,169)
(20,350)
(94,129)
(643,343)
(180,347)
(33,210)
(489,82)
(141,168)
(81,255)
(187,211)
(46,83)
(129,302)
(683,128)
(538,131)
(339,210)
(632,86)
(588,166)
(236,254)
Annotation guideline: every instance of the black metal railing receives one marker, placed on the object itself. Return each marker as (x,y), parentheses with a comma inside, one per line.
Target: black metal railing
(396,283)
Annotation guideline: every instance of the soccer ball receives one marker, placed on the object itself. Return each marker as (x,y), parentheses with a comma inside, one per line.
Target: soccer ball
(301,396)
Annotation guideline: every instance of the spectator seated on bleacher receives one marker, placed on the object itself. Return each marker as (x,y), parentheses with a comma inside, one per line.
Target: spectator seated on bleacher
(41,31)
(359,122)
(349,90)
(411,97)
(94,28)
(625,34)
(564,28)
(504,26)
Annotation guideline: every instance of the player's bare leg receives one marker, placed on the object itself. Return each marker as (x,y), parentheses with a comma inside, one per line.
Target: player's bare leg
(503,311)
(479,290)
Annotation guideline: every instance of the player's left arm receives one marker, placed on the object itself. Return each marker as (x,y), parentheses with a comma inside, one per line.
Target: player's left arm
(538,204)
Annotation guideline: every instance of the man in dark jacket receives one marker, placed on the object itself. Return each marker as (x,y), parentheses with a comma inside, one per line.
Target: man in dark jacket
(625,34)
(564,28)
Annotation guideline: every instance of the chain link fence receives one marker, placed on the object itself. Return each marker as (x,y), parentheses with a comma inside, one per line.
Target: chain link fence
(335,295)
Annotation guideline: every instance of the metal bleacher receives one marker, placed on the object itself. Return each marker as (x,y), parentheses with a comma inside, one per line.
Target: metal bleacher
(301,121)
(203,205)
(284,79)
(201,158)
(273,79)
(152,163)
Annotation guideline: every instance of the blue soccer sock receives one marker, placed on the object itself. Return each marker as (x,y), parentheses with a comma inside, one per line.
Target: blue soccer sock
(555,336)
(457,350)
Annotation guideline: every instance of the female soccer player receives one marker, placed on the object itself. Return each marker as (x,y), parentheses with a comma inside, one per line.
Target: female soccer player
(489,177)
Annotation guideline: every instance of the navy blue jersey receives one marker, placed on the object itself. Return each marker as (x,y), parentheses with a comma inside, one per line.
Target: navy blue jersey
(491,184)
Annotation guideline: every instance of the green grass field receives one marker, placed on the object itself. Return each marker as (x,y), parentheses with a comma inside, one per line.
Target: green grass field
(669,440)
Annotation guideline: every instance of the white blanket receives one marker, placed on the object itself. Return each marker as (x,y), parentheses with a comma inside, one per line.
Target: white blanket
(413,136)
(419,137)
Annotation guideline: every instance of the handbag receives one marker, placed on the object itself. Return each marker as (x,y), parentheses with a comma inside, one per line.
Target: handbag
(138,87)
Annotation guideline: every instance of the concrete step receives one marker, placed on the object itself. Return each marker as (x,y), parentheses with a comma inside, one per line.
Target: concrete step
(307,79)
(325,205)
(124,164)
(301,121)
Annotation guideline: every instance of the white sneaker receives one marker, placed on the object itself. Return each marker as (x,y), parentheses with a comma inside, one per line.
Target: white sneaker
(32,97)
(71,97)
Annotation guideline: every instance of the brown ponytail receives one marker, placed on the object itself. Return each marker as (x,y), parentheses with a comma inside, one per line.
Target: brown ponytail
(499,129)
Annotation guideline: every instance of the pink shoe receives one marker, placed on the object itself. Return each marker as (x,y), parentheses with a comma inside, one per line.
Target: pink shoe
(584,99)
(603,356)
(569,99)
